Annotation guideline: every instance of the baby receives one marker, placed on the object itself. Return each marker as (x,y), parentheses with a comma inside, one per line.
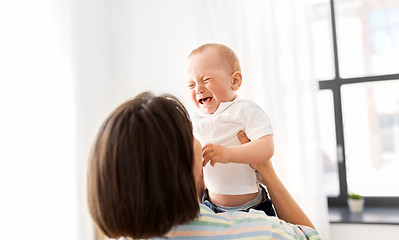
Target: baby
(214,76)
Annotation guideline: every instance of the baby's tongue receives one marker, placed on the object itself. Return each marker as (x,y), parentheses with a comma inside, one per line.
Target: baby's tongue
(206,100)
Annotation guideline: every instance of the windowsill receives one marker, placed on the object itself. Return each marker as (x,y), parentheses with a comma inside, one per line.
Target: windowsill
(370,215)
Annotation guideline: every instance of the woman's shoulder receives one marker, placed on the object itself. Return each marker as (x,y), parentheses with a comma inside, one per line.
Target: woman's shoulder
(235,225)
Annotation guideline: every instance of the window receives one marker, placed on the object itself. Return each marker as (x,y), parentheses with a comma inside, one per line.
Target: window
(370,112)
(356,45)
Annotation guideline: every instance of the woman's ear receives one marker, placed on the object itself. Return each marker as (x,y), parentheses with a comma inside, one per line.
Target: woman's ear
(237,79)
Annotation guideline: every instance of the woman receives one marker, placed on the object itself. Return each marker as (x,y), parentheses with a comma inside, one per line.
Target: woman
(145,180)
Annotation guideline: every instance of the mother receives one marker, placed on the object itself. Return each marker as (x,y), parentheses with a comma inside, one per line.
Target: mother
(145,179)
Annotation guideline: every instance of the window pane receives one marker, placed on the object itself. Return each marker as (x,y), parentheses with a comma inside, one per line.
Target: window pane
(323,56)
(371,127)
(368,37)
(328,142)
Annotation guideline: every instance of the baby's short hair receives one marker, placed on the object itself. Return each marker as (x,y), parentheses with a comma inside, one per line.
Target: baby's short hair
(224,51)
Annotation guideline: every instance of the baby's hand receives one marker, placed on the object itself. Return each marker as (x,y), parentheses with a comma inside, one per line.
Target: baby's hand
(215,153)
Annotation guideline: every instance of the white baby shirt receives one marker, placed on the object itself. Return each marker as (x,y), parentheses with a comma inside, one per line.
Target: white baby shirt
(221,128)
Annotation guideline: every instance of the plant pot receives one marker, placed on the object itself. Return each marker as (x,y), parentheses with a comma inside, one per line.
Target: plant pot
(356,205)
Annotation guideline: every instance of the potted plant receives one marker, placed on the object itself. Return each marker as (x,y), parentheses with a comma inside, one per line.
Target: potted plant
(355,202)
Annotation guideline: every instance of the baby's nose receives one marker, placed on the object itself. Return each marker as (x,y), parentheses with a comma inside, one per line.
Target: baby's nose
(199,89)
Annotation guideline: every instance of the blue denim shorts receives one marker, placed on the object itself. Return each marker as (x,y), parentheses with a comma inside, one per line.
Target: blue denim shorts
(262,202)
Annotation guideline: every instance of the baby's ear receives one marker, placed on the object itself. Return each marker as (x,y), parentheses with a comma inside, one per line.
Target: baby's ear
(237,80)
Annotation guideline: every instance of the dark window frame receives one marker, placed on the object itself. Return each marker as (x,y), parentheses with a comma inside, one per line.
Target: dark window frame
(335,86)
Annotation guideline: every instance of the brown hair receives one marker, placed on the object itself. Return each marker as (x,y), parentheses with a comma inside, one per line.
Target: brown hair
(140,173)
(224,51)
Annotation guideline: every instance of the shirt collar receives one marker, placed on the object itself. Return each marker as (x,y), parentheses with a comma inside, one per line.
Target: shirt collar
(224,105)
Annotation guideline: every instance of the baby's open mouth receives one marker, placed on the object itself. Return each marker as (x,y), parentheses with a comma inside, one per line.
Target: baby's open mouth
(205,100)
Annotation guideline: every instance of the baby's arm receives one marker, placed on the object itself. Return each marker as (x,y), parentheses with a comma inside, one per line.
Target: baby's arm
(254,152)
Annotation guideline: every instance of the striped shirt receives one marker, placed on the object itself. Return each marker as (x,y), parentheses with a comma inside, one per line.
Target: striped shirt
(239,225)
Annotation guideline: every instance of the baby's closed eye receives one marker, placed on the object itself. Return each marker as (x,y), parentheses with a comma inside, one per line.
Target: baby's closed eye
(191,85)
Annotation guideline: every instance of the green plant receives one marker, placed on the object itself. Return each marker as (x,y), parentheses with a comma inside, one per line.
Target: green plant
(355,196)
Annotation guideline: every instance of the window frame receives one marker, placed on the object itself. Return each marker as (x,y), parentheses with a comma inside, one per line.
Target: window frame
(334,85)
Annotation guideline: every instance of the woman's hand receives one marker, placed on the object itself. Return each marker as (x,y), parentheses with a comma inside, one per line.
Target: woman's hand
(243,137)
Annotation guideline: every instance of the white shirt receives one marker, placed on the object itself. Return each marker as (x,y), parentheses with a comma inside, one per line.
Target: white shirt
(221,128)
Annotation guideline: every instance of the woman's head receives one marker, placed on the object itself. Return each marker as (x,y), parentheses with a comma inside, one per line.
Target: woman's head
(140,177)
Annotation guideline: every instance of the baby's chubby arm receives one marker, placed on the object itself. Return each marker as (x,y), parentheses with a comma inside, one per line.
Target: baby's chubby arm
(254,152)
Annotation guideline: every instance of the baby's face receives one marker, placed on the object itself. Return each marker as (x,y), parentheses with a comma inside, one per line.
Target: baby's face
(210,80)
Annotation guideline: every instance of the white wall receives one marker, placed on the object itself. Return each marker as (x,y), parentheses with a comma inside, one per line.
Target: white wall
(91,67)
(363,232)
(150,42)
(37,123)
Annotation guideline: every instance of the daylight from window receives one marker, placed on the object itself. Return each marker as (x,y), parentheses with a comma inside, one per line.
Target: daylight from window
(368,45)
